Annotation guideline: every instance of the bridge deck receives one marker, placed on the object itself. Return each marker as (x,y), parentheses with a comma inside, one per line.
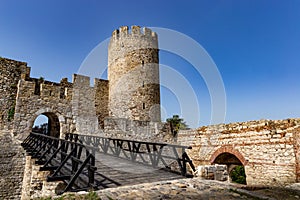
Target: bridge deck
(113,171)
(86,162)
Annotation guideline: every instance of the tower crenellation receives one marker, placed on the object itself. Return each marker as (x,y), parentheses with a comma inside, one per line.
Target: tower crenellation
(124,31)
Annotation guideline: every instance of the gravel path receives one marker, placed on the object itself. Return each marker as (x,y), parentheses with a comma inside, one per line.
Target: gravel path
(189,189)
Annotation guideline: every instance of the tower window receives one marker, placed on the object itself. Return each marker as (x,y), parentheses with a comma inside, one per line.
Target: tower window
(142,63)
(144,106)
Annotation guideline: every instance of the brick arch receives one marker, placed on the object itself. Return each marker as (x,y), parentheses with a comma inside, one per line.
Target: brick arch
(228,149)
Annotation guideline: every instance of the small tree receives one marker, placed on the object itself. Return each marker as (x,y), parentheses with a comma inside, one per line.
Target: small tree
(176,124)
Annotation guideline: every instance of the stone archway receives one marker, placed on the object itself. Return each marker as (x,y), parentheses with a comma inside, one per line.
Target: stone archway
(53,125)
(230,150)
(230,157)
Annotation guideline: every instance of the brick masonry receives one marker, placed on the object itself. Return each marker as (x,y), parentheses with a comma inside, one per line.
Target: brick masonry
(269,150)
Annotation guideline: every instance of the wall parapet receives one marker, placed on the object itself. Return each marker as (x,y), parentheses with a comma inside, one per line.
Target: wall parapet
(45,89)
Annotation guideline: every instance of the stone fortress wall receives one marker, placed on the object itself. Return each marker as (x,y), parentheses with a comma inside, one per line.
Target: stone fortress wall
(268,149)
(77,107)
(11,156)
(70,107)
(10,74)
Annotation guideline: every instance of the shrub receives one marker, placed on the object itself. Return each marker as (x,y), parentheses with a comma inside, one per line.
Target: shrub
(238,175)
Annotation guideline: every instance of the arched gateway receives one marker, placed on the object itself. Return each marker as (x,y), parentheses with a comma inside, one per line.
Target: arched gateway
(51,127)
(233,159)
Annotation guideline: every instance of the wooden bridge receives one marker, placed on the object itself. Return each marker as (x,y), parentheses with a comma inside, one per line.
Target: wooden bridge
(85,162)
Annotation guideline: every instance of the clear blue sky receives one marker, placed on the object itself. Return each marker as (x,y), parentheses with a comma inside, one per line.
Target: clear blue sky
(255,45)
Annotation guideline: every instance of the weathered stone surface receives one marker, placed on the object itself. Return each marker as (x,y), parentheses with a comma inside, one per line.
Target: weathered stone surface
(11,166)
(185,189)
(101,100)
(137,130)
(10,73)
(212,172)
(133,73)
(268,149)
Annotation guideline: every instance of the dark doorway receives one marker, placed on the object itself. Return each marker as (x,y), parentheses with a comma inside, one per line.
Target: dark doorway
(48,124)
(235,167)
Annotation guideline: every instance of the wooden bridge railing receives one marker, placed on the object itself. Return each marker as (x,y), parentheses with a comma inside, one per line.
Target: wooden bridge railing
(157,155)
(70,162)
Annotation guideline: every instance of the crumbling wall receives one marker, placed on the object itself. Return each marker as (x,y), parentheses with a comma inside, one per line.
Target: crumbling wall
(269,150)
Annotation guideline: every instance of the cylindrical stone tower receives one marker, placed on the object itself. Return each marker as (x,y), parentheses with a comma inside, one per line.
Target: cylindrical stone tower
(133,74)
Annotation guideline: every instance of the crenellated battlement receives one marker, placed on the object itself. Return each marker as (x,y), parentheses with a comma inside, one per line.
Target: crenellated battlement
(135,31)
(125,42)
(45,89)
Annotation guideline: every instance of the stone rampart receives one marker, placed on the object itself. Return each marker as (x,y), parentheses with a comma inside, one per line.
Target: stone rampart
(36,97)
(10,73)
(83,106)
(269,150)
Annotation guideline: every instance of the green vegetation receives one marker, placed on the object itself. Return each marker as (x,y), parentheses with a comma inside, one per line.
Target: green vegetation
(41,79)
(176,124)
(92,196)
(238,175)
(11,113)
(13,86)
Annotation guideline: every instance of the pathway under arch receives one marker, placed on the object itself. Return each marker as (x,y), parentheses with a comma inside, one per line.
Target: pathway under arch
(53,127)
